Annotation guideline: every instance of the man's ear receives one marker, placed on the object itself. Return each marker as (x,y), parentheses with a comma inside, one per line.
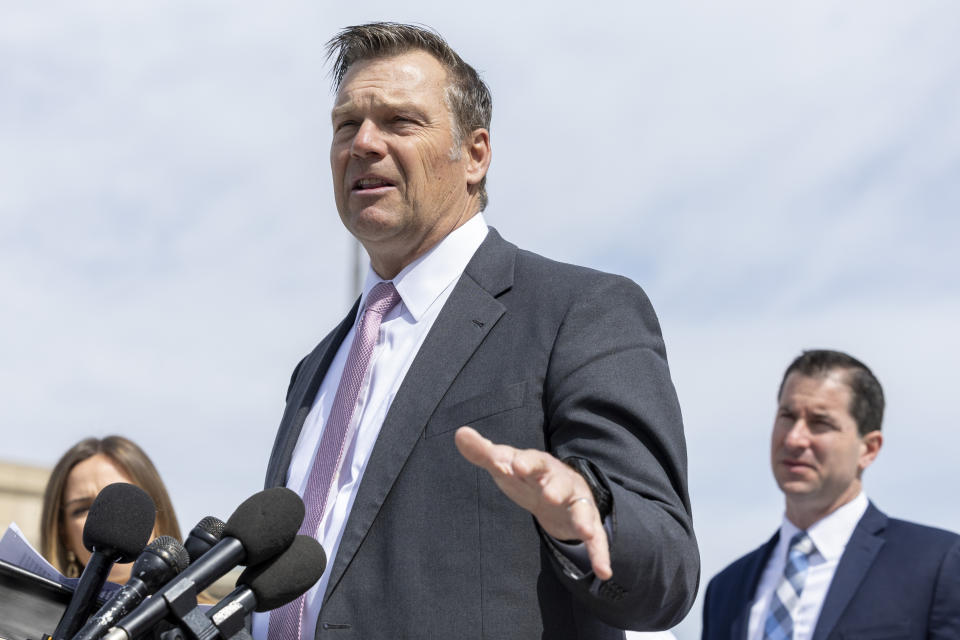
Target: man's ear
(870,445)
(477,147)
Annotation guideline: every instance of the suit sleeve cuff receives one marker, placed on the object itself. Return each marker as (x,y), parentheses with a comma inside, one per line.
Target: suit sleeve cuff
(576,552)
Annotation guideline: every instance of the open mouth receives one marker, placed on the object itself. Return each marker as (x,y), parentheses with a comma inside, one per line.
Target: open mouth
(370,183)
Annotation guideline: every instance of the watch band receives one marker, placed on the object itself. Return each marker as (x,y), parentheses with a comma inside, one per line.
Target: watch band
(601,493)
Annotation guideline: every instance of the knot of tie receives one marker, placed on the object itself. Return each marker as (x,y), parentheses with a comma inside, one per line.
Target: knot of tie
(382,298)
(801,544)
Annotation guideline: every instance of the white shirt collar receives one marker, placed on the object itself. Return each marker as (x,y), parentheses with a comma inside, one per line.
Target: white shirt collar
(831,533)
(422,281)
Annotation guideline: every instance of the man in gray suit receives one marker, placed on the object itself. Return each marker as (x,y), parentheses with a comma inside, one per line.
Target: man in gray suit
(565,513)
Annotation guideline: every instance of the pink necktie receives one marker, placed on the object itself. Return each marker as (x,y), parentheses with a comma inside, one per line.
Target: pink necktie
(285,621)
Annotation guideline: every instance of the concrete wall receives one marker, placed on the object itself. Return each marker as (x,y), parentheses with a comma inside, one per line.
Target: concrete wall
(21,496)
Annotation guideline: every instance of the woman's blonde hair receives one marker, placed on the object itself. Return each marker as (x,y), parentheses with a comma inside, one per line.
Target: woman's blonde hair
(128,457)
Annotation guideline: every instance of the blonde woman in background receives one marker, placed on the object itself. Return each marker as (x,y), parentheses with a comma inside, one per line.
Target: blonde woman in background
(75,481)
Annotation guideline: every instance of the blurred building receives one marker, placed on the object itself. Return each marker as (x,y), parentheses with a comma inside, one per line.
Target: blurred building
(21,496)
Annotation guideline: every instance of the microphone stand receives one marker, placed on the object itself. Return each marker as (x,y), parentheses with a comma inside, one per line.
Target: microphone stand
(176,633)
(227,617)
(189,622)
(182,599)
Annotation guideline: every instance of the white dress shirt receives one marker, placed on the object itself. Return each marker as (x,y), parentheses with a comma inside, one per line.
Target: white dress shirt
(830,536)
(424,286)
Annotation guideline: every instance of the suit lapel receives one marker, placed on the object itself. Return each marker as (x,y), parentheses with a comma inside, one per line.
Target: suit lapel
(305,385)
(461,327)
(752,572)
(859,554)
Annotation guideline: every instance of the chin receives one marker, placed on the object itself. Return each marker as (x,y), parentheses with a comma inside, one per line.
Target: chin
(795,488)
(371,224)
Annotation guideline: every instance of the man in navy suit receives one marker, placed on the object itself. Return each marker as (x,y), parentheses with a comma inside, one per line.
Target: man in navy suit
(838,567)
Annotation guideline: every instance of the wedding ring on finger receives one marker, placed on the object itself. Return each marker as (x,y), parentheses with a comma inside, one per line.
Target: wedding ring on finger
(587,500)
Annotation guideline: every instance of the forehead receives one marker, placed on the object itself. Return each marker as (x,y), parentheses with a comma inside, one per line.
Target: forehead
(826,392)
(411,76)
(87,478)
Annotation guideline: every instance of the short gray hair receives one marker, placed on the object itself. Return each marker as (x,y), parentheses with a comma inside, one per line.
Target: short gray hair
(467,95)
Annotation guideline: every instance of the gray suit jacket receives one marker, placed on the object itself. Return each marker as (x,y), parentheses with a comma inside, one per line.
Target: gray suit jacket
(534,354)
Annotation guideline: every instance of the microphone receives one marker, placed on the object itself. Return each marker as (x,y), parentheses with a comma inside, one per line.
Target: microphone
(163,559)
(118,525)
(269,585)
(262,527)
(203,536)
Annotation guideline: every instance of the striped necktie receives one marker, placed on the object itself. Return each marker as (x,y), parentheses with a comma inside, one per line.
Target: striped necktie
(783,606)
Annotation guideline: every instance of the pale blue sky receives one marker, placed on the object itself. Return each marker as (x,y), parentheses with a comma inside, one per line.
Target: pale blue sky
(776,177)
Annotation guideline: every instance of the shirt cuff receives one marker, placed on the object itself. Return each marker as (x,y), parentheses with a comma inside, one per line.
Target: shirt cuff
(576,552)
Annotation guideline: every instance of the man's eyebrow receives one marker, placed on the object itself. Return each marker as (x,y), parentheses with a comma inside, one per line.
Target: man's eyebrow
(380,103)
(339,110)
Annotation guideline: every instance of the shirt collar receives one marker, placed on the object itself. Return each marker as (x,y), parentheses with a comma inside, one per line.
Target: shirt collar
(831,533)
(422,281)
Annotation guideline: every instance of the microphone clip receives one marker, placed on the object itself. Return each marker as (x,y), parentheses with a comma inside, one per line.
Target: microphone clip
(182,601)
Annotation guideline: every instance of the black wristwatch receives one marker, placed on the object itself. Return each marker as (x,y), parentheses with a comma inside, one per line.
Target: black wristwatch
(601,493)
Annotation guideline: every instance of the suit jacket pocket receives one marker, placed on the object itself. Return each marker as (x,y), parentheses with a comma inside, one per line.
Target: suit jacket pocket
(475,409)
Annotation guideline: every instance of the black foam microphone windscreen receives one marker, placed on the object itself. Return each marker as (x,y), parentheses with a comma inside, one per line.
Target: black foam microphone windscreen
(264,521)
(278,581)
(120,519)
(118,526)
(269,585)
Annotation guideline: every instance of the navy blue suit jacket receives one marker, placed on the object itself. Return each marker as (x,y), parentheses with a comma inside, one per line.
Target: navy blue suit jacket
(895,579)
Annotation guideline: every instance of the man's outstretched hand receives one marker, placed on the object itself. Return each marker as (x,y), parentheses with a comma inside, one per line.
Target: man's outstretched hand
(556,495)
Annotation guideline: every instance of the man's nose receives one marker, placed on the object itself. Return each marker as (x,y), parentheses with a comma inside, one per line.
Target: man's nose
(368,141)
(798,436)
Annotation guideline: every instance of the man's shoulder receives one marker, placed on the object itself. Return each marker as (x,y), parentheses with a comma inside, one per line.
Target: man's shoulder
(920,535)
(732,588)
(544,266)
(556,278)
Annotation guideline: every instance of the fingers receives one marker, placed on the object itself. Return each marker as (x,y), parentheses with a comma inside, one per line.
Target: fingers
(495,458)
(526,465)
(530,464)
(586,521)
(473,446)
(599,551)
(556,495)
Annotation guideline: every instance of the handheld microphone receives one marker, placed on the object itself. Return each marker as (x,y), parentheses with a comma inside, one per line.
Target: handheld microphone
(163,559)
(203,536)
(118,525)
(270,585)
(262,527)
